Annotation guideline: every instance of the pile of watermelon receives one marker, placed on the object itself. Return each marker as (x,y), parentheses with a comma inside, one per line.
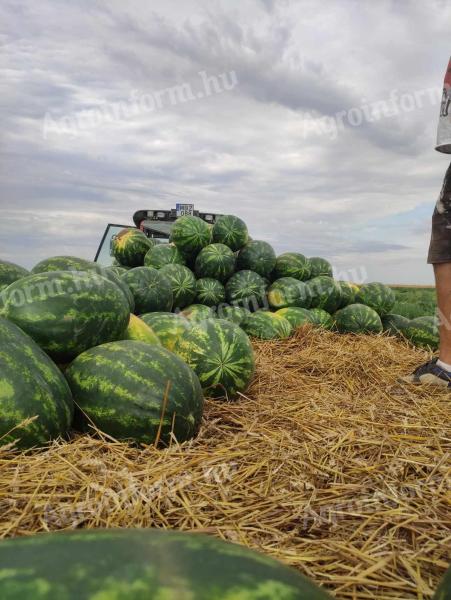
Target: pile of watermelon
(134,348)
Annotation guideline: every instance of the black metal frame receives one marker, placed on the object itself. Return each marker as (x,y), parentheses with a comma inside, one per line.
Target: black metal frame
(105,234)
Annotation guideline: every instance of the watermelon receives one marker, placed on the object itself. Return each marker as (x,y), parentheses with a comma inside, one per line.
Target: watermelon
(292,264)
(221,355)
(67,312)
(288,291)
(151,290)
(378,296)
(358,318)
(321,318)
(130,247)
(163,254)
(296,316)
(267,325)
(198,312)
(235,314)
(183,284)
(167,326)
(31,385)
(423,332)
(246,288)
(117,270)
(325,293)
(443,592)
(63,263)
(132,564)
(257,256)
(190,234)
(348,293)
(231,231)
(394,324)
(9,273)
(216,261)
(139,331)
(210,291)
(136,391)
(319,266)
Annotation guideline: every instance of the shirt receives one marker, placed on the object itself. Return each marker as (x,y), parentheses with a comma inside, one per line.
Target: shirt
(444,123)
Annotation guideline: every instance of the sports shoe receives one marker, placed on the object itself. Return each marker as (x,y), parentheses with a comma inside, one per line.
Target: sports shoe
(429,374)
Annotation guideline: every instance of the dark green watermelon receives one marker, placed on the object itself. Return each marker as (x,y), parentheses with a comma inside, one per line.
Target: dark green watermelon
(394,324)
(67,312)
(221,355)
(288,291)
(292,264)
(9,273)
(321,318)
(246,288)
(358,318)
(151,290)
(257,256)
(198,312)
(130,246)
(348,293)
(231,231)
(132,564)
(216,261)
(63,263)
(117,270)
(183,284)
(130,390)
(319,266)
(378,296)
(31,385)
(190,234)
(163,254)
(296,316)
(210,291)
(235,314)
(267,325)
(168,326)
(443,592)
(325,293)
(423,332)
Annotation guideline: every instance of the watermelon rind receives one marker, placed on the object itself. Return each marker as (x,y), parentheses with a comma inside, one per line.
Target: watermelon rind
(63,263)
(378,296)
(136,391)
(163,254)
(183,284)
(443,592)
(140,331)
(325,293)
(132,564)
(190,234)
(321,318)
(216,261)
(235,314)
(319,266)
(210,291)
(167,326)
(246,288)
(9,273)
(151,289)
(198,312)
(257,256)
(288,291)
(348,293)
(130,246)
(296,316)
(423,332)
(292,264)
(266,325)
(358,318)
(31,387)
(231,231)
(394,324)
(221,354)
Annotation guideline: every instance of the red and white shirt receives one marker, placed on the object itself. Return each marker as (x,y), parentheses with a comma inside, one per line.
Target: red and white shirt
(444,124)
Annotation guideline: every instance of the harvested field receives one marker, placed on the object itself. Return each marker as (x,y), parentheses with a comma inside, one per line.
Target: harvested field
(328,464)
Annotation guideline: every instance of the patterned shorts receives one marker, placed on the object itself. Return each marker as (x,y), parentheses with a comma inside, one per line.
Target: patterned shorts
(440,246)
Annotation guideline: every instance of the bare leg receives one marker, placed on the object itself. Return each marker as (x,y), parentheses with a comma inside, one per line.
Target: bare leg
(442,273)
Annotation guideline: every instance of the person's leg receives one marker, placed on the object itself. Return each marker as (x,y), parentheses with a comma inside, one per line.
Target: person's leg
(442,273)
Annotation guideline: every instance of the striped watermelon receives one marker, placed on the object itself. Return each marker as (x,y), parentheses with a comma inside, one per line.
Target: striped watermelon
(231,231)
(183,284)
(378,296)
(321,318)
(246,288)
(235,314)
(9,273)
(117,270)
(136,391)
(167,326)
(163,254)
(31,385)
(190,234)
(132,564)
(210,291)
(348,293)
(63,263)
(443,592)
(216,261)
(288,291)
(325,293)
(151,290)
(358,318)
(267,325)
(130,247)
(423,332)
(140,331)
(319,266)
(198,312)
(296,316)
(394,324)
(221,355)
(292,264)
(67,312)
(257,256)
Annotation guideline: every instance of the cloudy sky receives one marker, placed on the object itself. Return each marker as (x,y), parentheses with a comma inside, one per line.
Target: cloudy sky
(313,121)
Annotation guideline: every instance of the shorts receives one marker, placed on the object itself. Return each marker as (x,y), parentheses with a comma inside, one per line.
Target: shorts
(440,246)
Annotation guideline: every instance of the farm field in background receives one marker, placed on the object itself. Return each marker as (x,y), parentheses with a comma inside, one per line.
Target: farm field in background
(413,301)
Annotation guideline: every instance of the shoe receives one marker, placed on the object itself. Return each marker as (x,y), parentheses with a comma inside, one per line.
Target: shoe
(429,374)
